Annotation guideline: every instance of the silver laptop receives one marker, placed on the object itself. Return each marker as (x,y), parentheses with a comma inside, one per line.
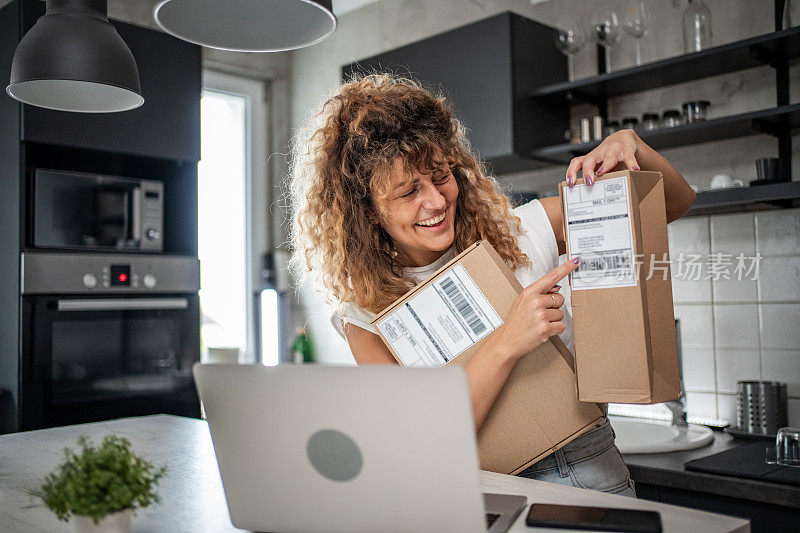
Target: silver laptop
(335,448)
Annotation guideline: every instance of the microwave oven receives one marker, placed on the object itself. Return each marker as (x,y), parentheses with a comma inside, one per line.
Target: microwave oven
(74,210)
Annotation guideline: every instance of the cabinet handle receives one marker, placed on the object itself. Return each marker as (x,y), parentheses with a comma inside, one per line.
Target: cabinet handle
(123,304)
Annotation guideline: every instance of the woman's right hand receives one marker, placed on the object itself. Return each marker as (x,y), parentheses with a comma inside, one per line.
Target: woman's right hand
(535,315)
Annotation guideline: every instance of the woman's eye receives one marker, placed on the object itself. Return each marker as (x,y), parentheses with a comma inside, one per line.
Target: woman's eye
(408,194)
(443,179)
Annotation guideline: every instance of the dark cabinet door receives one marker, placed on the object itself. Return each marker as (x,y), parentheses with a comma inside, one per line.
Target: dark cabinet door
(166,126)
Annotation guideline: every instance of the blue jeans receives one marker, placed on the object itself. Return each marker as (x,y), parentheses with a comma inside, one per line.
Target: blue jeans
(591,461)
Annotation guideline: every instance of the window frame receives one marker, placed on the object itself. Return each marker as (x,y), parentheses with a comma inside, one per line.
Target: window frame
(256,195)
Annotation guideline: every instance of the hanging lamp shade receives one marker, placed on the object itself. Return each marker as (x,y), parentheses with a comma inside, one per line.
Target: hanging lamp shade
(248,25)
(73,59)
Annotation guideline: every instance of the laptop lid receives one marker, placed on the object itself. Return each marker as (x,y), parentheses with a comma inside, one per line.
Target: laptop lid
(335,448)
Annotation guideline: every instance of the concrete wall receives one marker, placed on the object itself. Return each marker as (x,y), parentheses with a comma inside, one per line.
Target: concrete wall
(768,345)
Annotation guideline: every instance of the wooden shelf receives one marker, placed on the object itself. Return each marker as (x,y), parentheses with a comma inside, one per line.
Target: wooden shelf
(731,57)
(770,121)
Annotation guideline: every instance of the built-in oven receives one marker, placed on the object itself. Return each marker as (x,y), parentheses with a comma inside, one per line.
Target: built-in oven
(80,211)
(107,336)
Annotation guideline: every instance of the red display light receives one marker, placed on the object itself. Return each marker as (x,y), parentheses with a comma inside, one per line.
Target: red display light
(123,277)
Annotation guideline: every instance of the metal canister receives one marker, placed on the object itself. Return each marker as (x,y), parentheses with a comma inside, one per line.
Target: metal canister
(761,406)
(597,128)
(586,132)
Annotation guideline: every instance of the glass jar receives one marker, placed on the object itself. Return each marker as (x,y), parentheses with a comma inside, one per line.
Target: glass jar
(672,118)
(630,123)
(650,121)
(612,126)
(695,111)
(696,27)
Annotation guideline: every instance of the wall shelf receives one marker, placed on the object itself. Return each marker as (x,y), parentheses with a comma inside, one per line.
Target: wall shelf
(756,51)
(734,200)
(773,121)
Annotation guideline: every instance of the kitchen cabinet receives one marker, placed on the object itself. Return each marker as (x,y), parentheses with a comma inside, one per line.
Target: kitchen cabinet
(487,71)
(166,126)
(160,140)
(662,478)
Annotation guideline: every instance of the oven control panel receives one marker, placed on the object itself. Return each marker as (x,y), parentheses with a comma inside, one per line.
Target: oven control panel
(49,273)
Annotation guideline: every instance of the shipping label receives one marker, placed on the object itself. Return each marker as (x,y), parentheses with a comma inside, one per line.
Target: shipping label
(441,321)
(600,231)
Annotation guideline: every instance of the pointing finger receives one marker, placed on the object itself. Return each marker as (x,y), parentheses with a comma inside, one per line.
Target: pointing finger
(549,280)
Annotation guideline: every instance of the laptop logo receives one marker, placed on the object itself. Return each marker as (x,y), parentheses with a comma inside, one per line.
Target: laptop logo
(334,455)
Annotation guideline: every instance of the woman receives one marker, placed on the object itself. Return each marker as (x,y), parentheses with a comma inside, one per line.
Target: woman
(385,191)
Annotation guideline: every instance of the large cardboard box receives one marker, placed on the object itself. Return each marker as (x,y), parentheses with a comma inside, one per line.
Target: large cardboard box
(625,342)
(444,320)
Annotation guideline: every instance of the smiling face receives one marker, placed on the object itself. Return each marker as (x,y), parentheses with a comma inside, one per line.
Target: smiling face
(420,212)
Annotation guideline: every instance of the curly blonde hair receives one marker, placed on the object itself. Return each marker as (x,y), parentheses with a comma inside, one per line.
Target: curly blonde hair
(340,178)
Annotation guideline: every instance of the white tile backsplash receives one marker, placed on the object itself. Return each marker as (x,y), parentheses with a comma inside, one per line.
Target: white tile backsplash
(794,412)
(684,291)
(753,338)
(735,290)
(698,369)
(733,233)
(696,325)
(736,326)
(782,365)
(736,365)
(778,232)
(780,326)
(779,279)
(689,235)
(726,407)
(701,404)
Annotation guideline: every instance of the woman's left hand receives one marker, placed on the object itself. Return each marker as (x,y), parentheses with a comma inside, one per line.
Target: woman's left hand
(619,148)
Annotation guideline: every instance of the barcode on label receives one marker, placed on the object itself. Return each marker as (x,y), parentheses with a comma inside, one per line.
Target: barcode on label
(464,308)
(608,262)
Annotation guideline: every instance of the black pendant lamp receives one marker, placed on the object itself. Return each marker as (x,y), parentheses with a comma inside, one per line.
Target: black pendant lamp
(73,59)
(248,25)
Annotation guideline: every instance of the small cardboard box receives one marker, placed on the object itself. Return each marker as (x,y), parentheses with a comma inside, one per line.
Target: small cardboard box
(445,319)
(625,342)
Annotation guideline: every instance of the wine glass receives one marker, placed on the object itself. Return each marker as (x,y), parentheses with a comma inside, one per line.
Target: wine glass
(635,24)
(570,37)
(605,30)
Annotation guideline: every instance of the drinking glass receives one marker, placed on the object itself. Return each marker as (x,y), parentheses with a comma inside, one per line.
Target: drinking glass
(605,30)
(570,37)
(635,24)
(787,447)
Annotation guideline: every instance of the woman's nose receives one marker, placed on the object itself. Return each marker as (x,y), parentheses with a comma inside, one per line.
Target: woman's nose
(432,199)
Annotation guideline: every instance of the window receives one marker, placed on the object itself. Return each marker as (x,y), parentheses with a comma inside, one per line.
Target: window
(231,208)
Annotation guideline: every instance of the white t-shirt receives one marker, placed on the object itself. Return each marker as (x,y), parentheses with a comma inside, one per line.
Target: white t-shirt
(537,241)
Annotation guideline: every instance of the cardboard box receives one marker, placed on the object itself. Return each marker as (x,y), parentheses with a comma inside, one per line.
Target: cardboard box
(445,319)
(625,342)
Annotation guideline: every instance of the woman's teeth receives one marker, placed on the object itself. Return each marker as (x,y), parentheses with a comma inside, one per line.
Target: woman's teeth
(431,221)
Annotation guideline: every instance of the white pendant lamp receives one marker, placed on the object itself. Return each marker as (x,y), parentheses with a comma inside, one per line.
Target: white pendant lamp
(73,59)
(248,25)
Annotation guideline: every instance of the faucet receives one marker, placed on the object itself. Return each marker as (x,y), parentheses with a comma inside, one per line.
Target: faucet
(678,407)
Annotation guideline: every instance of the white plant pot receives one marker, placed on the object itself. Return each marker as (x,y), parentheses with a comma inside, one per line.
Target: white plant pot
(119,522)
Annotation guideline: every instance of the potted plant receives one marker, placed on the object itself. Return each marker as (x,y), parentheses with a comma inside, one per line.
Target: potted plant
(98,488)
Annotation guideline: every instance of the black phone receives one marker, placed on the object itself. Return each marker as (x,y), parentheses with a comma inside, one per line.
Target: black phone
(593,518)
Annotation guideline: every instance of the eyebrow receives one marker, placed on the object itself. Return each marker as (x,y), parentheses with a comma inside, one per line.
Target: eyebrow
(406,184)
(413,181)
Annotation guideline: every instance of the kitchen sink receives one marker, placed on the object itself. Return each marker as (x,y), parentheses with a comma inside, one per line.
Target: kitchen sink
(648,436)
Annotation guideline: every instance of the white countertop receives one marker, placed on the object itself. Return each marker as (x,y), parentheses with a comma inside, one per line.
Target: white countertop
(192,498)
